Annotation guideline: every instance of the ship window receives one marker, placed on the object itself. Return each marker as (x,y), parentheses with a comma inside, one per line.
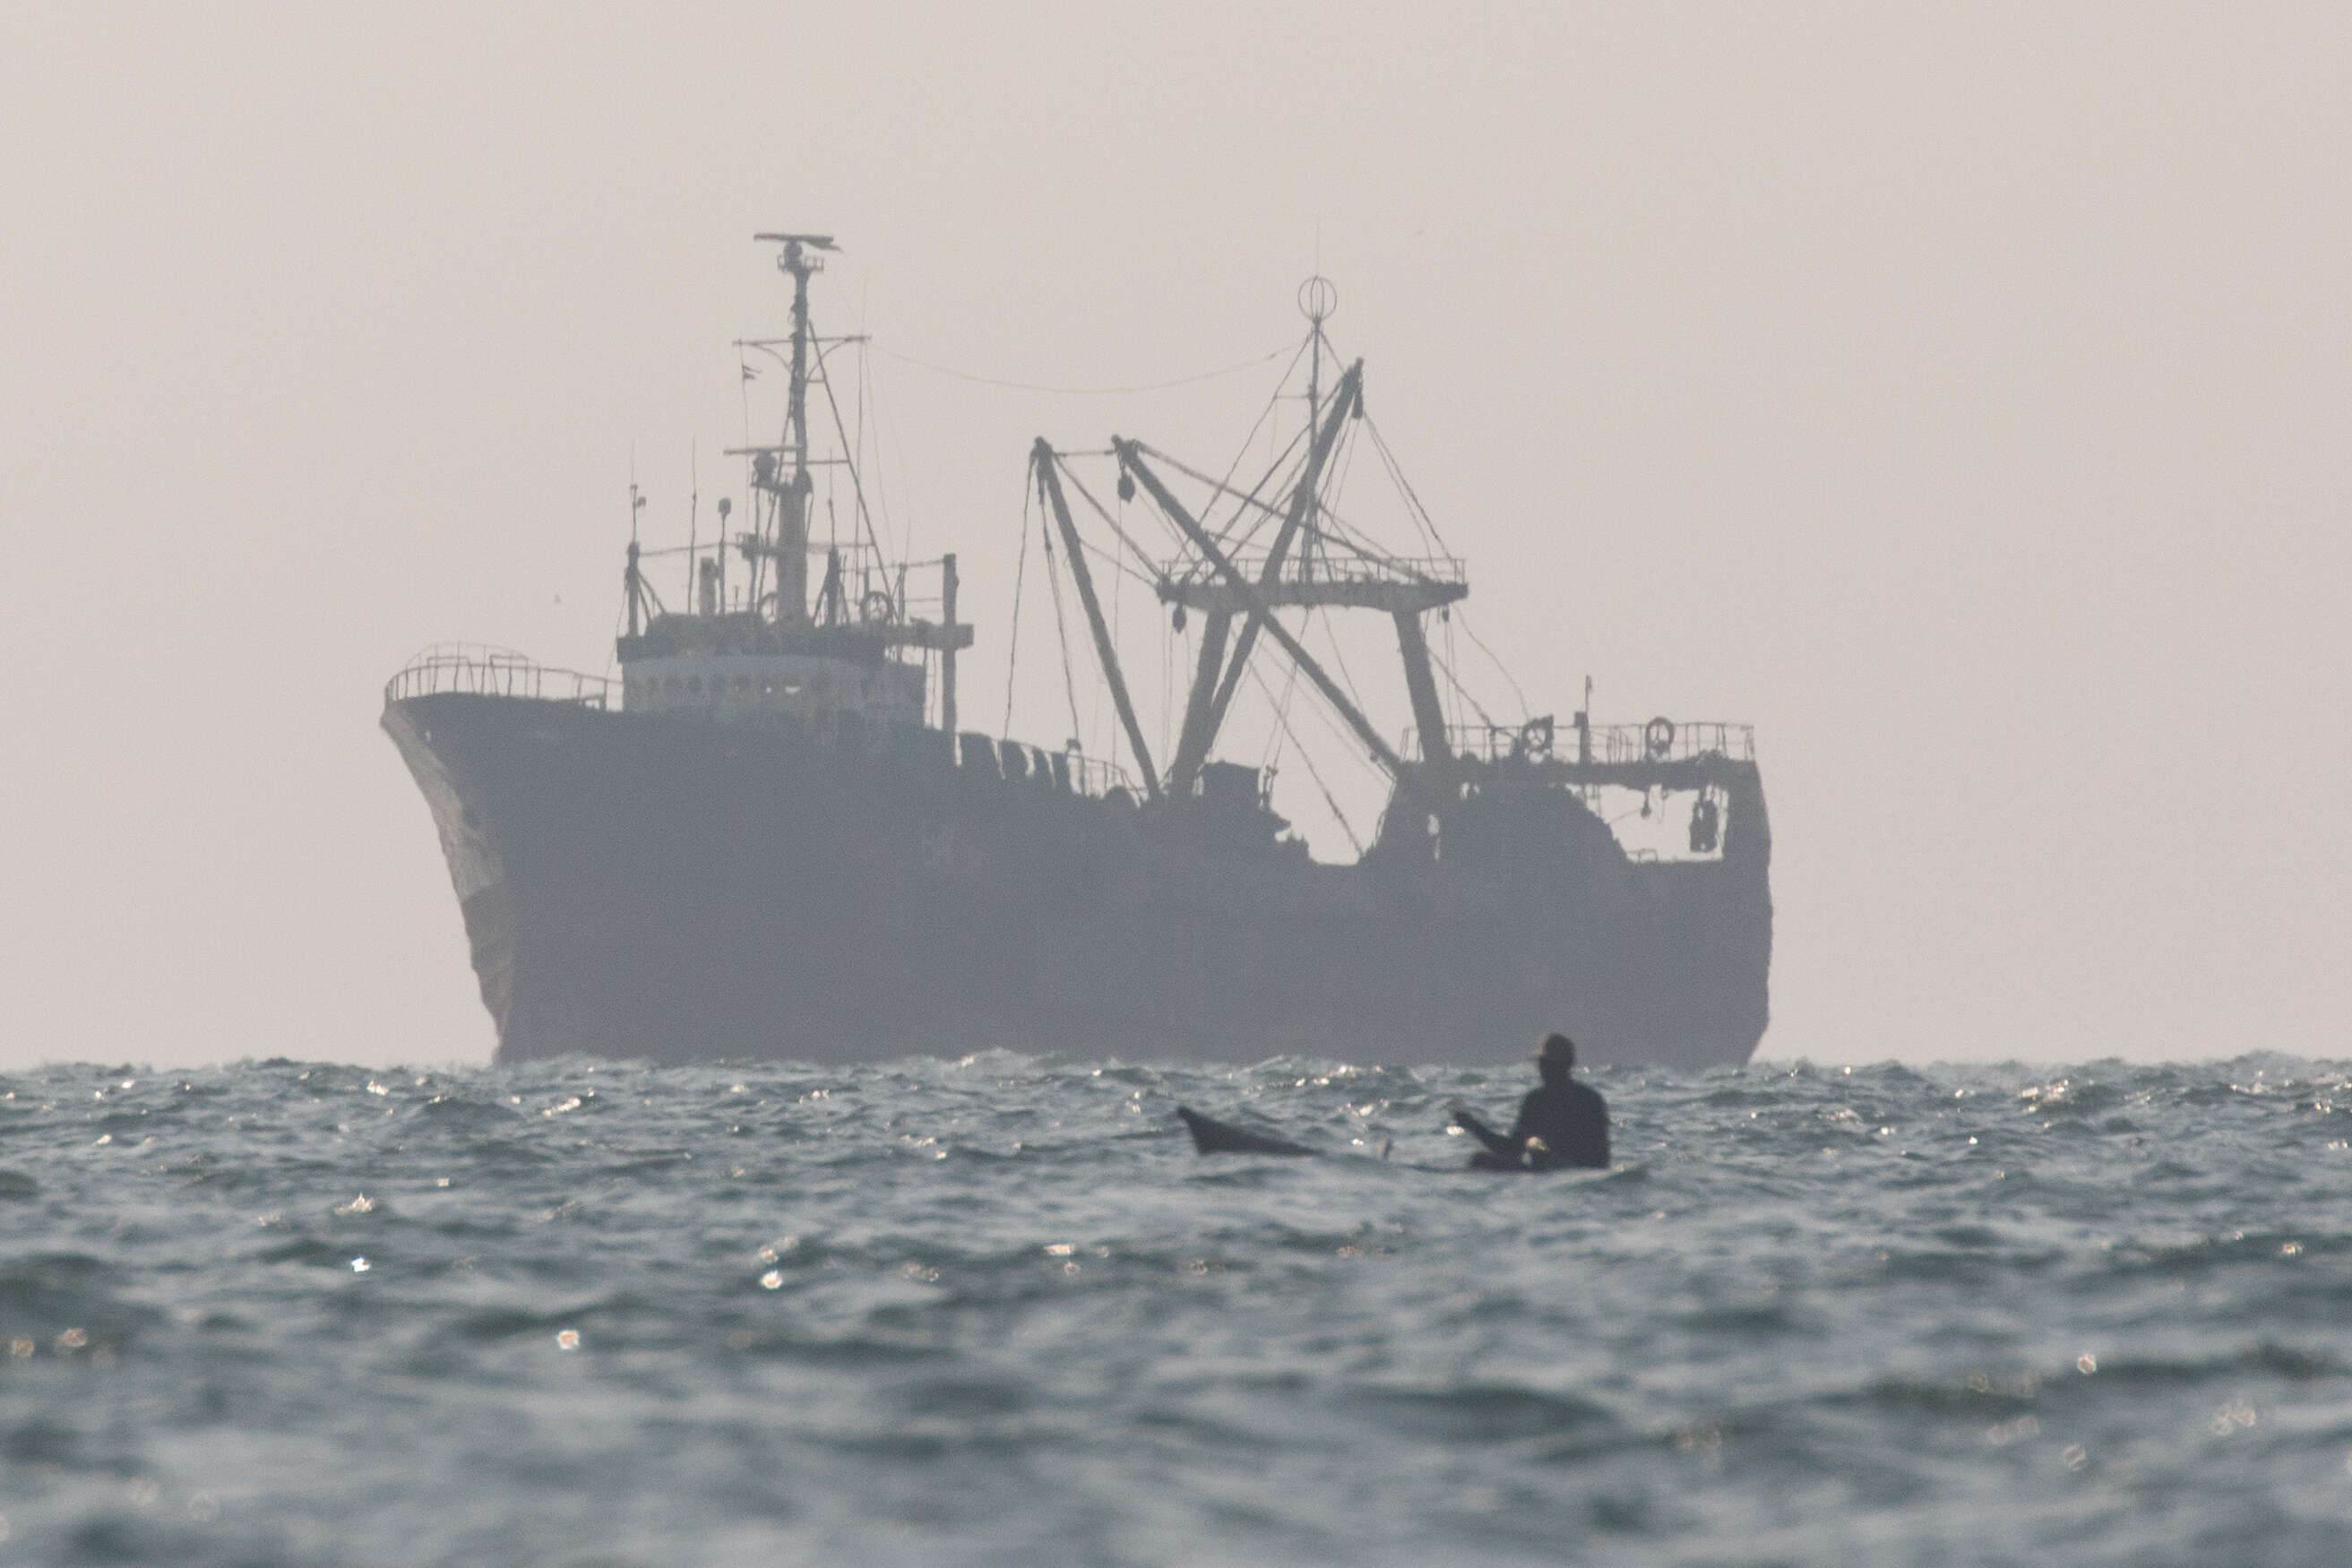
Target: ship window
(694,684)
(767,690)
(669,684)
(742,683)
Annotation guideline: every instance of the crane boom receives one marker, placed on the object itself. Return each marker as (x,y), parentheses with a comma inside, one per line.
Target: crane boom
(1130,458)
(1049,485)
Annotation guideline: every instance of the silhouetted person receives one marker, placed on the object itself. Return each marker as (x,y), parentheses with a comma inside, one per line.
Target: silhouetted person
(1562,1126)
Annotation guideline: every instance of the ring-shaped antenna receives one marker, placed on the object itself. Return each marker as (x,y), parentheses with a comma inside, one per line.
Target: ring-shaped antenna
(1319,299)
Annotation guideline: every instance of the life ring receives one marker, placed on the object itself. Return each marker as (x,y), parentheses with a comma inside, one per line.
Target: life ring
(1535,739)
(1658,735)
(877,608)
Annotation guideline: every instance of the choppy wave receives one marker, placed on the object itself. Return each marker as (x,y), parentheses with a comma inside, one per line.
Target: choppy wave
(996,1310)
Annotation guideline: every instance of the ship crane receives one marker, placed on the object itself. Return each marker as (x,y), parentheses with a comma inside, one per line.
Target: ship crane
(1304,566)
(1258,604)
(1046,464)
(1213,681)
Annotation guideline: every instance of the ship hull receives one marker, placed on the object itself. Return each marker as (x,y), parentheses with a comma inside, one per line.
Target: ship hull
(654,887)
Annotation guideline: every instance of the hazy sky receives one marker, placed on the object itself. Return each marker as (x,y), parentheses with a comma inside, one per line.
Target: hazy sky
(1960,393)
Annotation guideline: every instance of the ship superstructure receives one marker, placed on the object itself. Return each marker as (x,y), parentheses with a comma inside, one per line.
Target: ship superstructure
(771,651)
(771,837)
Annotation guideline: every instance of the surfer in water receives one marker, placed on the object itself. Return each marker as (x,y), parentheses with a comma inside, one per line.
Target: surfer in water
(1562,1126)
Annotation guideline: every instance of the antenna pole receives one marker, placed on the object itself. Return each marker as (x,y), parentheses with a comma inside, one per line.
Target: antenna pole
(792,567)
(1318,300)
(636,583)
(948,653)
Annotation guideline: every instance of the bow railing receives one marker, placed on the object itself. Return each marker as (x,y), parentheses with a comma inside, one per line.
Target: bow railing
(478,670)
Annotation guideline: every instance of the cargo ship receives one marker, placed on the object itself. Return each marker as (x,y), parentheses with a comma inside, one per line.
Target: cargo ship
(771,838)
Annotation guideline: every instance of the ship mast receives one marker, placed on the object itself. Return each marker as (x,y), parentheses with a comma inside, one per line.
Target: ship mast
(792,489)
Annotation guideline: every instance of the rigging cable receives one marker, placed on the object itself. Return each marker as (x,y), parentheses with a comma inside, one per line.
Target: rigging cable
(1082,391)
(1233,535)
(1241,452)
(869,404)
(870,408)
(1405,484)
(1117,602)
(1454,683)
(1343,735)
(1472,633)
(1413,508)
(1454,691)
(1061,632)
(1281,719)
(1223,487)
(1307,757)
(1422,515)
(1100,510)
(1020,575)
(1331,636)
(857,485)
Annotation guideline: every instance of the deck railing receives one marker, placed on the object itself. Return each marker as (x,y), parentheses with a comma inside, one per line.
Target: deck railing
(1689,739)
(482,671)
(1096,777)
(1679,741)
(1331,571)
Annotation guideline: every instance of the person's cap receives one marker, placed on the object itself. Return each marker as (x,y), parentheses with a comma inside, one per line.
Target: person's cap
(1558,1048)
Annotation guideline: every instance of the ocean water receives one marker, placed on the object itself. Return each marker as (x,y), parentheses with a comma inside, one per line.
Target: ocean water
(997,1310)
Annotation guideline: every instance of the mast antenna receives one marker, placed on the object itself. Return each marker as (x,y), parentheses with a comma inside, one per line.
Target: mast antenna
(693,514)
(1319,301)
(631,580)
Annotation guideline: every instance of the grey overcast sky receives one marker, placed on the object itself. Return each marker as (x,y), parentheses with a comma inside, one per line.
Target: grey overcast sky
(1959,392)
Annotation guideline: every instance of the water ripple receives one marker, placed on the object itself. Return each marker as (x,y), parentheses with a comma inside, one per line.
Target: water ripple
(994,1309)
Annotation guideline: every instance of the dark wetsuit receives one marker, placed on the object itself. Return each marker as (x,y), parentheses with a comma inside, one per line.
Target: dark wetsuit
(1573,1123)
(1571,1120)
